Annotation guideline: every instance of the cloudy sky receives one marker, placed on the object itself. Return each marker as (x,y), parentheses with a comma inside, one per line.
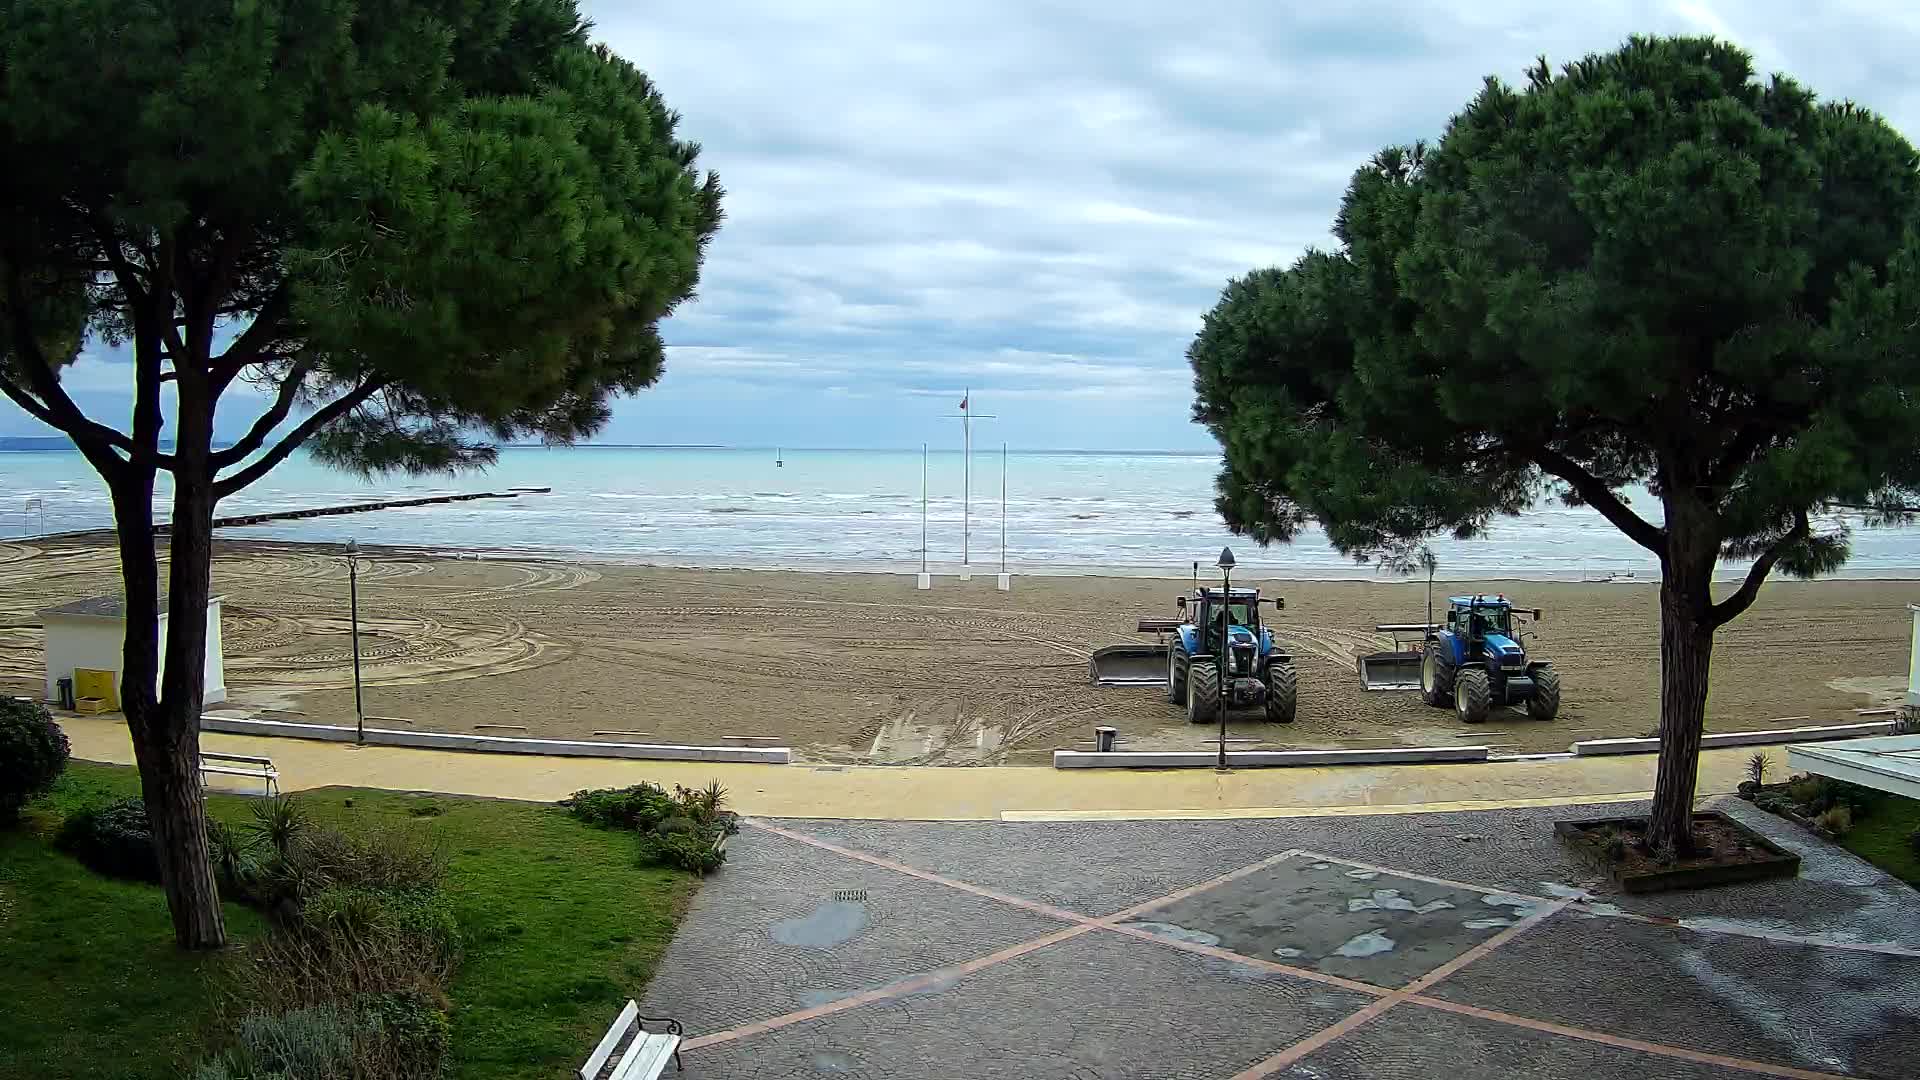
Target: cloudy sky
(1038,200)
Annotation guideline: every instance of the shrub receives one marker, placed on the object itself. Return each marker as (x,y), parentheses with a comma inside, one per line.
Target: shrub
(278,822)
(415,1032)
(377,859)
(1757,767)
(33,754)
(641,806)
(1913,841)
(695,851)
(1837,820)
(115,840)
(1818,794)
(311,1044)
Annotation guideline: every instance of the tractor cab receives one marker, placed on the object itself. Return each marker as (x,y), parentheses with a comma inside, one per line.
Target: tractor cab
(1485,625)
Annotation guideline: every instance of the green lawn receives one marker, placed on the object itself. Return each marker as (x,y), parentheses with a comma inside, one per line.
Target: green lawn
(1881,838)
(559,925)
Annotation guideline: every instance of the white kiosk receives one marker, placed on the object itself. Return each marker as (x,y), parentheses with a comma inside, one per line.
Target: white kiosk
(90,633)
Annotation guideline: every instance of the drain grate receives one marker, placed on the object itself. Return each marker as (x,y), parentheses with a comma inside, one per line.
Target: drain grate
(846,896)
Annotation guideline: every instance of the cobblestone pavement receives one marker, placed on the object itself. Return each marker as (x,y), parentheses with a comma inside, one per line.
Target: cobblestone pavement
(1444,945)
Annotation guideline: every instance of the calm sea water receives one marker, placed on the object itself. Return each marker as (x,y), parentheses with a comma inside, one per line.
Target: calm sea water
(1149,514)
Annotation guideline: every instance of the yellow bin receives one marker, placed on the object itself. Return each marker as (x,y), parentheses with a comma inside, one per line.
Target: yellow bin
(95,683)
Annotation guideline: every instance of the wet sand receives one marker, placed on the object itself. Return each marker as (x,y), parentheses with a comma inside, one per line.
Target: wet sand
(862,668)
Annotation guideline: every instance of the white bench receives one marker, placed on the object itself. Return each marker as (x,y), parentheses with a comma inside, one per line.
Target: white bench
(643,1053)
(240,765)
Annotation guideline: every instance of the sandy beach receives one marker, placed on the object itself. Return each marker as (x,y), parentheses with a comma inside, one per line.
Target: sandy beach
(861,668)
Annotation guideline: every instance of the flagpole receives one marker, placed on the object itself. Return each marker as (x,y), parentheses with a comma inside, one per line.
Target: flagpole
(967,417)
(1003,508)
(923,508)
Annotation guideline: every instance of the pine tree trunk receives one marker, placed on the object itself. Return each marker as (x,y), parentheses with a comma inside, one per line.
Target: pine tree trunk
(1686,655)
(165,727)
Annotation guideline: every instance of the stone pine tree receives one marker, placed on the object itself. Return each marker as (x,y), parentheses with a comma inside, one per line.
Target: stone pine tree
(1651,271)
(395,231)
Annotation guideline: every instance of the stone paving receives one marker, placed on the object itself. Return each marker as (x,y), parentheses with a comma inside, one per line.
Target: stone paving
(1461,945)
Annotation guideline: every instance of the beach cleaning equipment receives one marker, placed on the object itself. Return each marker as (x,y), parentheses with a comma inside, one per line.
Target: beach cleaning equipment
(1472,662)
(1212,656)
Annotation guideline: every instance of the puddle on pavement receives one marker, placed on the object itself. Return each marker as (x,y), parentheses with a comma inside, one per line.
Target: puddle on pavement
(832,923)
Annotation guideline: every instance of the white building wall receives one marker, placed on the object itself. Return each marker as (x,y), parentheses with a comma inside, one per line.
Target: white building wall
(90,641)
(80,641)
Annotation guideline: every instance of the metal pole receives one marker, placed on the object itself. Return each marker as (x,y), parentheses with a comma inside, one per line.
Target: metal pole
(923,508)
(966,482)
(1223,658)
(1003,508)
(353,609)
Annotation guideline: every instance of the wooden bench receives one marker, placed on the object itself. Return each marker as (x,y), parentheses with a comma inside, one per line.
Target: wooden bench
(240,765)
(643,1053)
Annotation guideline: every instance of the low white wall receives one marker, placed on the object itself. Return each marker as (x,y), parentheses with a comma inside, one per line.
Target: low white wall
(1724,739)
(437,740)
(1206,759)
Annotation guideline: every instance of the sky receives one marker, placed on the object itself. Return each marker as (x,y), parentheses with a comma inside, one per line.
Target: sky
(1039,200)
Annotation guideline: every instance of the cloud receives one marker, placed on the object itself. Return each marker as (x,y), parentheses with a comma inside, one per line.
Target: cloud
(1038,200)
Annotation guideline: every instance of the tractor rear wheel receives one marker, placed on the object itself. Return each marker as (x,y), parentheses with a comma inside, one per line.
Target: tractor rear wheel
(1545,702)
(1177,673)
(1471,695)
(1283,693)
(1436,675)
(1203,692)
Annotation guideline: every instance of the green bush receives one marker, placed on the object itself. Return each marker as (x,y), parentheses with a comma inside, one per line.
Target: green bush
(33,754)
(302,1044)
(115,840)
(1816,795)
(412,1028)
(1913,841)
(641,806)
(694,851)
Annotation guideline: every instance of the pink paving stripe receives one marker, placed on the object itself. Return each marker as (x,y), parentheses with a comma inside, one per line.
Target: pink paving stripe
(1583,1034)
(1193,890)
(1496,941)
(1252,961)
(924,875)
(1358,865)
(1315,1041)
(899,989)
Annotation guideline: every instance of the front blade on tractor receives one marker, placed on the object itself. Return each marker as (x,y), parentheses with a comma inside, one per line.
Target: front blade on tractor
(1129,665)
(1390,671)
(1399,669)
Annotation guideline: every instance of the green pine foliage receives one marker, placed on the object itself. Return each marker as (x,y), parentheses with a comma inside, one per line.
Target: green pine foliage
(1650,273)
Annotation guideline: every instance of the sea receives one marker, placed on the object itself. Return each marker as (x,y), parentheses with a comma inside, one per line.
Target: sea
(1054,512)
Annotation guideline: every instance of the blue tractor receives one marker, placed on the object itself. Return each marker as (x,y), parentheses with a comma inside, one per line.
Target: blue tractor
(1221,657)
(1474,662)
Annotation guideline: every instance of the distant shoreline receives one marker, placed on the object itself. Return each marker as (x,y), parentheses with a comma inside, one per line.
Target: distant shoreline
(225,539)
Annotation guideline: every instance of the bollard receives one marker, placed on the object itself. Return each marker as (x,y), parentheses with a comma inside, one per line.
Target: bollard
(1103,739)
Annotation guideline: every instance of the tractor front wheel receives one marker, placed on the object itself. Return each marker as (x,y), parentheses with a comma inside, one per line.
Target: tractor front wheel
(1471,695)
(1176,674)
(1283,693)
(1203,692)
(1545,702)
(1436,675)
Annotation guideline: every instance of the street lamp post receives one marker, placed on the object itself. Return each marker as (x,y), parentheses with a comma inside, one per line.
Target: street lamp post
(1224,660)
(353,619)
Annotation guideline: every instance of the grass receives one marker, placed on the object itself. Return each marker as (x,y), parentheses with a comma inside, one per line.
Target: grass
(559,928)
(1881,838)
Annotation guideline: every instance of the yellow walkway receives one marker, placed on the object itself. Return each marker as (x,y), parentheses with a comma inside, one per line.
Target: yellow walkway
(955,794)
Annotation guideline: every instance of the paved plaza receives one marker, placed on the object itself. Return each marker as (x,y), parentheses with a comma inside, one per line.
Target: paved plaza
(1454,945)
